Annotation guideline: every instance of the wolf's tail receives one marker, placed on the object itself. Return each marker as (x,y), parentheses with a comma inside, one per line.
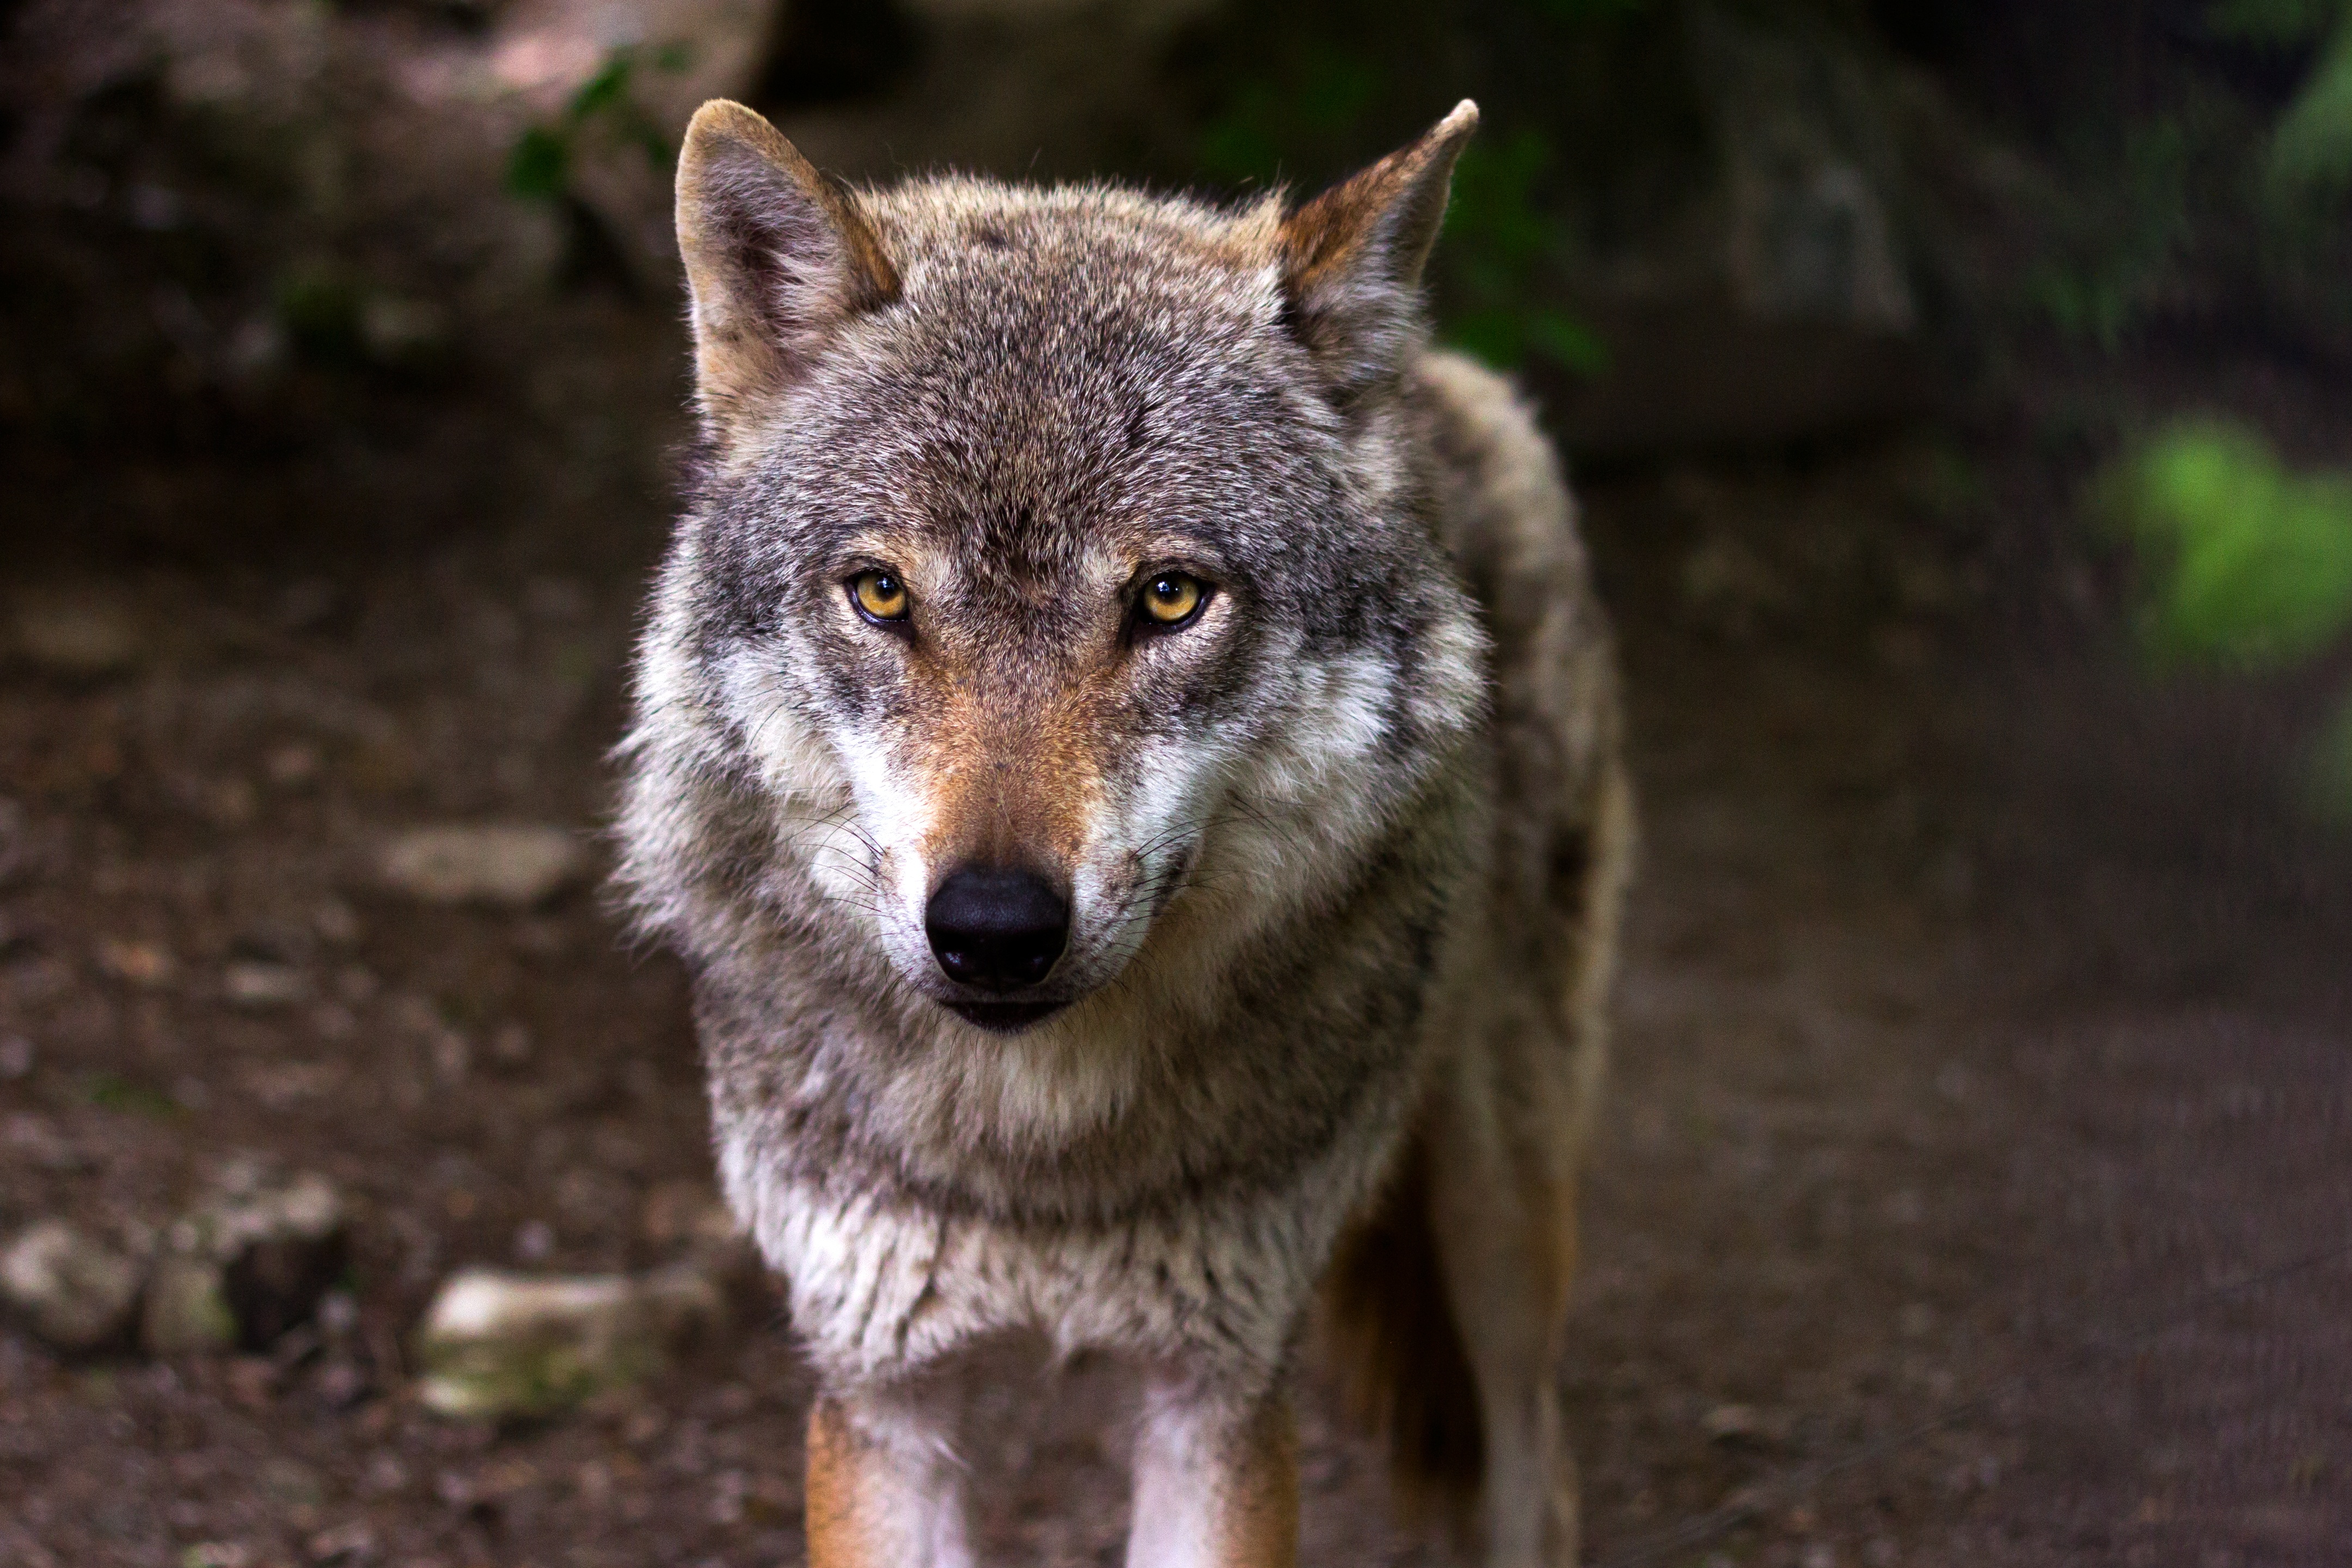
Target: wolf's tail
(1399,1349)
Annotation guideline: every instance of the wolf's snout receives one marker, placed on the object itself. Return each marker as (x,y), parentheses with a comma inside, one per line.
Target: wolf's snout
(997,931)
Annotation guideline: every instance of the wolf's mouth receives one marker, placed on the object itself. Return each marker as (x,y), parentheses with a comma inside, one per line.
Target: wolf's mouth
(1005,1018)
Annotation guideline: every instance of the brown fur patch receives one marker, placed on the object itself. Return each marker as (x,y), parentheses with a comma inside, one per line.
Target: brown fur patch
(1262,1521)
(1387,216)
(1010,776)
(840,1533)
(1392,1332)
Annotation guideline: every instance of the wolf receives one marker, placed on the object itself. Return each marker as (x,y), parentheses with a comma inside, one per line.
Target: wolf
(1127,745)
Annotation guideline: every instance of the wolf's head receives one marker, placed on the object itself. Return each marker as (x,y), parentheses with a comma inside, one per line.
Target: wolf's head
(1056,551)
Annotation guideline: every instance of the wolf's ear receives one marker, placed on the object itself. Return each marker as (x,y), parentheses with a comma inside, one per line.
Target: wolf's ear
(776,256)
(1352,256)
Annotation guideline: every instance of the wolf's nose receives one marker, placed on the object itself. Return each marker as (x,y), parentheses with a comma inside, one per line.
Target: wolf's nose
(998,931)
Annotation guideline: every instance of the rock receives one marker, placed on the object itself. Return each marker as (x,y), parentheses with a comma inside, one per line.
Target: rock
(77,633)
(16,1056)
(260,986)
(186,1311)
(145,965)
(498,1345)
(510,1046)
(30,1137)
(1739,1426)
(506,864)
(72,1290)
(244,1267)
(353,1542)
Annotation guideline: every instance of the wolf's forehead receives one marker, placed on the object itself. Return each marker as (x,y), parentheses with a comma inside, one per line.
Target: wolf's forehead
(1039,392)
(1084,340)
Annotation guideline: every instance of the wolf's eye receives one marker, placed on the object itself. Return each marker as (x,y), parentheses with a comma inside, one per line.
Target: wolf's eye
(879,595)
(1171,598)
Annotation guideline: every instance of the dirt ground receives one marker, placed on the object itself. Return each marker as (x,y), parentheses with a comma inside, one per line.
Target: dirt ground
(1980,1005)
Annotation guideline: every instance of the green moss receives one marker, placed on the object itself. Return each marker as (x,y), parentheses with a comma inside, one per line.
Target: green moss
(2249,563)
(604,108)
(2248,568)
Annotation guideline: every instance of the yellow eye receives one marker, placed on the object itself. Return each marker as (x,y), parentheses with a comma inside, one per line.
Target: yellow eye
(1171,598)
(879,595)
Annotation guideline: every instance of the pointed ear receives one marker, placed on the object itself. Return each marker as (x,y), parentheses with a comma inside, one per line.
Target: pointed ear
(777,257)
(1352,256)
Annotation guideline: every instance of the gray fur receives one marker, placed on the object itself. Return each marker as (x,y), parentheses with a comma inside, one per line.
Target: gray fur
(1351,832)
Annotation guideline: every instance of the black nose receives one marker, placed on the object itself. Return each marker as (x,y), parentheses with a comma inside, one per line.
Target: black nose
(998,931)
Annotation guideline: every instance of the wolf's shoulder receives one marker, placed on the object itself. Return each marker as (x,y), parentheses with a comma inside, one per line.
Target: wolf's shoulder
(1504,508)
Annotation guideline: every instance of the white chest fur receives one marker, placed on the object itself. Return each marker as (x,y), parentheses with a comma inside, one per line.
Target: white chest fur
(881,1288)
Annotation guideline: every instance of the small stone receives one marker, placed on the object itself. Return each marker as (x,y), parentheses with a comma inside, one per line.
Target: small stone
(31,1137)
(253,1381)
(246,1266)
(339,1314)
(338,1383)
(216,1554)
(263,986)
(337,922)
(141,964)
(498,1345)
(232,802)
(385,1476)
(353,1543)
(73,1290)
(506,864)
(292,765)
(509,1047)
(16,1056)
(77,633)
(453,1056)
(187,1310)
(1736,1424)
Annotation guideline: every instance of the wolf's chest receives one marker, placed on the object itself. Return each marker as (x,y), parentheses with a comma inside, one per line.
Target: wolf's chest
(880,1288)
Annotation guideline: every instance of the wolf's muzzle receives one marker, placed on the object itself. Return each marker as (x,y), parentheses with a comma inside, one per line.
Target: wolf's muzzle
(995,930)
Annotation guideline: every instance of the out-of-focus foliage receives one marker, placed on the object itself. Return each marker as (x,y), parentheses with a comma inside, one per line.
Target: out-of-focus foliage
(2310,150)
(2117,249)
(2250,567)
(1313,109)
(1321,106)
(604,107)
(2251,562)
(1499,242)
(2218,192)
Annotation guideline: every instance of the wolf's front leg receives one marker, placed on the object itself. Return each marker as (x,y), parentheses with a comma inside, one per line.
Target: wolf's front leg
(1216,1482)
(885,1489)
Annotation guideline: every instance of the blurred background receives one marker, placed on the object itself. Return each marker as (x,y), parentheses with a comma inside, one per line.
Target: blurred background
(1958,396)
